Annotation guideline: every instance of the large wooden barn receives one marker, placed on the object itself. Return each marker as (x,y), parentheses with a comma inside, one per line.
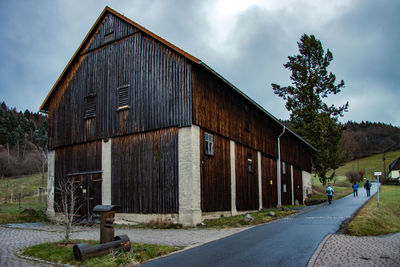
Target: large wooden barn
(140,123)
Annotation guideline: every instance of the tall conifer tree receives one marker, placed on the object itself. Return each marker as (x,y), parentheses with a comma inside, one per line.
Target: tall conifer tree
(310,116)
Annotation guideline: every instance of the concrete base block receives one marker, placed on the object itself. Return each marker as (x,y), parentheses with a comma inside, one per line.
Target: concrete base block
(189,217)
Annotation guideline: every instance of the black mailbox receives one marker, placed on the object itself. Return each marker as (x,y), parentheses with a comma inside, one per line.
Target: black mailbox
(107,214)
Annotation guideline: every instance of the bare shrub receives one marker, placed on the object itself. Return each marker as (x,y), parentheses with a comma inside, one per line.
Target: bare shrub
(353,176)
(68,205)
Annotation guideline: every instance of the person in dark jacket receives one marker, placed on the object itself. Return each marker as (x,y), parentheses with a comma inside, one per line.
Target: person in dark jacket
(355,189)
(367,187)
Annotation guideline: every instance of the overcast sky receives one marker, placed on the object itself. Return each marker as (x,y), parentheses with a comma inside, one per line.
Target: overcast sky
(247,42)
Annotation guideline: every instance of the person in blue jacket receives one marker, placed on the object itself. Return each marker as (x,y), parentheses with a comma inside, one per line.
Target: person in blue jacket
(355,189)
(329,192)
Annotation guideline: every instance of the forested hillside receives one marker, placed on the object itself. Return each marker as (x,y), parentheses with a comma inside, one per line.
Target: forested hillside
(364,139)
(23,142)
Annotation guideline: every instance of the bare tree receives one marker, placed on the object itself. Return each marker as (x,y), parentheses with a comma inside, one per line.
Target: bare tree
(42,162)
(69,195)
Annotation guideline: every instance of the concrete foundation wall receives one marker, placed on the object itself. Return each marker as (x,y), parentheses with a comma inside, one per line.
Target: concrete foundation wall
(307,184)
(106,175)
(50,213)
(189,176)
(233,178)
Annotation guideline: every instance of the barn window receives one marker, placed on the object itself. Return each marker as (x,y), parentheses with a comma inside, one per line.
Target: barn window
(283,168)
(123,97)
(90,110)
(209,144)
(249,162)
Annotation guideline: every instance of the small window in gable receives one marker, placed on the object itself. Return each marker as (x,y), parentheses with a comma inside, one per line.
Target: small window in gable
(123,97)
(208,144)
(90,108)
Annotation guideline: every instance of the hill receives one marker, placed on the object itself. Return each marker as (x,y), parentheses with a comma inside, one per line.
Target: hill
(360,140)
(23,142)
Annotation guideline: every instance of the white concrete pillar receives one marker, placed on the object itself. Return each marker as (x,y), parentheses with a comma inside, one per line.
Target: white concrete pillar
(259,181)
(189,176)
(51,160)
(233,179)
(106,175)
(292,183)
(307,184)
(279,182)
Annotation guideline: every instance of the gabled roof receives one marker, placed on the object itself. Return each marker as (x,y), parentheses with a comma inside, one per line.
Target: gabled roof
(393,165)
(107,10)
(44,107)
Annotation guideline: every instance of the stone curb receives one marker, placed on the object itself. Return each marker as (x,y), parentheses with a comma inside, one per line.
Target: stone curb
(321,245)
(18,253)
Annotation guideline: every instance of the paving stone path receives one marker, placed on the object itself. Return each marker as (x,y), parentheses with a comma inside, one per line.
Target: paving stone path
(334,250)
(18,236)
(344,250)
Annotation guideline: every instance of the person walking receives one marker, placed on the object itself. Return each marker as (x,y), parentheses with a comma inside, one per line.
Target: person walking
(367,187)
(355,189)
(329,193)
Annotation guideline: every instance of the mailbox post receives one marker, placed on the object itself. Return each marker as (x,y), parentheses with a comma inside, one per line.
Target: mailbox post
(107,214)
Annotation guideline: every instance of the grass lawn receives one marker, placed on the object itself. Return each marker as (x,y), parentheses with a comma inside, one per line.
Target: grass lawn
(369,164)
(31,208)
(61,252)
(371,220)
(26,185)
(341,186)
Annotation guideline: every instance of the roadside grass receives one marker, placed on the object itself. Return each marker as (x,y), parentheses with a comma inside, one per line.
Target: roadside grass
(28,208)
(239,221)
(61,253)
(371,220)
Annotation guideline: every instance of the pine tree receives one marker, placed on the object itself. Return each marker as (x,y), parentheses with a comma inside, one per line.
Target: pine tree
(310,116)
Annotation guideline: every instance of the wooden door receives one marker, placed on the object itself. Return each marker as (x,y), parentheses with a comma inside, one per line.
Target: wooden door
(88,194)
(269,186)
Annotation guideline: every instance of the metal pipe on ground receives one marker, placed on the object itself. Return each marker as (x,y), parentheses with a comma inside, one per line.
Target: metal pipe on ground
(84,251)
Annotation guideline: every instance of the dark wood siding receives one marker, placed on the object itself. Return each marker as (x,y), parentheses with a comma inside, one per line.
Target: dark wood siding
(82,164)
(246,181)
(111,26)
(295,152)
(298,185)
(217,107)
(145,172)
(215,175)
(159,82)
(269,185)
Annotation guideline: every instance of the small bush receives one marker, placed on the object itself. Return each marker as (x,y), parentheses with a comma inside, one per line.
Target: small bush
(353,176)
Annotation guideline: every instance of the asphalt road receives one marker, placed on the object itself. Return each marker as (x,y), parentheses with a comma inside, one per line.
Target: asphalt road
(286,242)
